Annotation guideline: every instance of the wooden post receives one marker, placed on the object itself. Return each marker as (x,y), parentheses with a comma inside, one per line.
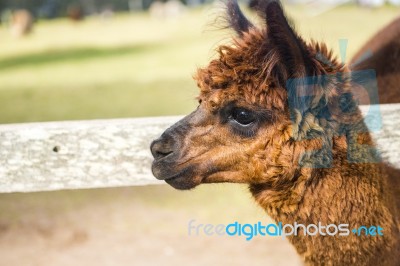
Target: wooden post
(81,154)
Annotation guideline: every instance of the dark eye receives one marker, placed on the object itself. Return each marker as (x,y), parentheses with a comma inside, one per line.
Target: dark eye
(243,116)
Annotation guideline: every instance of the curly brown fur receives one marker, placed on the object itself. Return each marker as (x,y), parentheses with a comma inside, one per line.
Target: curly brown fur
(277,113)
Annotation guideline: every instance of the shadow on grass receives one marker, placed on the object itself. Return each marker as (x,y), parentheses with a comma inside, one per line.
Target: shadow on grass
(76,54)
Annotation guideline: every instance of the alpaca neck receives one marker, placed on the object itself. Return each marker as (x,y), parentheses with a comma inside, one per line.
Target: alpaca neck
(354,194)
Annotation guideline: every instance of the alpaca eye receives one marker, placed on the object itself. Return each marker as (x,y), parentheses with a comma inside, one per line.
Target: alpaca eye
(243,116)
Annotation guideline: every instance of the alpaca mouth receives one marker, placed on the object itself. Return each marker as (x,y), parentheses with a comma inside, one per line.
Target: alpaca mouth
(182,180)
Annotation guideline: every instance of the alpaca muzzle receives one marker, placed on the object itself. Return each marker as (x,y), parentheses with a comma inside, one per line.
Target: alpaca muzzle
(162,150)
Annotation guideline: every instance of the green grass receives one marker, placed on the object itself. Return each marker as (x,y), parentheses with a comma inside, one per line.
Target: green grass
(135,65)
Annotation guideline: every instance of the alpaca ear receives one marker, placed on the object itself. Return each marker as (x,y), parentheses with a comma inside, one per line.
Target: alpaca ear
(236,18)
(292,50)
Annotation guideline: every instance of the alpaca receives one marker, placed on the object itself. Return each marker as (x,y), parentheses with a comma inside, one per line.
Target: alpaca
(75,12)
(21,23)
(382,53)
(277,113)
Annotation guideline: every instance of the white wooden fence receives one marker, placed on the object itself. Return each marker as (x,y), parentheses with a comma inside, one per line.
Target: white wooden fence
(109,153)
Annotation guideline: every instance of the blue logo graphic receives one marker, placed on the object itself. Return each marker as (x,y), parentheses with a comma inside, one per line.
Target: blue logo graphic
(321,100)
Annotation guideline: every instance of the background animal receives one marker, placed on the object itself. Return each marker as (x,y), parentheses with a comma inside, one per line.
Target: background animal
(21,22)
(75,12)
(382,53)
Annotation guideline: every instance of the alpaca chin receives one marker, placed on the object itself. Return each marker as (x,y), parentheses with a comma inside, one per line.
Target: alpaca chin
(179,179)
(184,180)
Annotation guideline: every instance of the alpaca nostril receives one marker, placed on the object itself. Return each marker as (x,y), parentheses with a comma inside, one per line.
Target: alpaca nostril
(160,149)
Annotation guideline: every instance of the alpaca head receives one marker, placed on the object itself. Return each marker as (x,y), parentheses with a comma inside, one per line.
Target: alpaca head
(267,100)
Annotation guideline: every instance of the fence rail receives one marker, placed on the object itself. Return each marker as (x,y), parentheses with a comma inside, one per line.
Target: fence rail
(109,153)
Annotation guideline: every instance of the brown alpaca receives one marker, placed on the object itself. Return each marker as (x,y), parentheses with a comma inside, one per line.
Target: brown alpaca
(75,12)
(303,149)
(382,53)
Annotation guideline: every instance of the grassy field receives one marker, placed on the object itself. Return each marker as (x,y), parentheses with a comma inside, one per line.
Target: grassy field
(134,65)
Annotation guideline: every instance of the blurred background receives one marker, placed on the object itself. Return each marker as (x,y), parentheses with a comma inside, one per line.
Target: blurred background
(96,59)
